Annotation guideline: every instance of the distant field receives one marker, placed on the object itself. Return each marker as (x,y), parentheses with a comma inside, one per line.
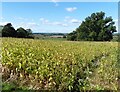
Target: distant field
(50,36)
(60,65)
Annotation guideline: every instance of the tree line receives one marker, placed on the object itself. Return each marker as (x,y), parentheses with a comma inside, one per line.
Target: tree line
(9,31)
(96,27)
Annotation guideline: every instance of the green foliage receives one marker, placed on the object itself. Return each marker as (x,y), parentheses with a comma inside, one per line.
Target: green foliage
(60,65)
(72,36)
(21,33)
(11,87)
(96,27)
(116,37)
(9,31)
(1,27)
(29,33)
(64,36)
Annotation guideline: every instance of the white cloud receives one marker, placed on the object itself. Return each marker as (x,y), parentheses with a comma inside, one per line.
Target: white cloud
(22,24)
(71,9)
(32,24)
(56,23)
(41,19)
(55,1)
(44,21)
(59,24)
(20,18)
(75,21)
(68,19)
(47,22)
(4,23)
(65,25)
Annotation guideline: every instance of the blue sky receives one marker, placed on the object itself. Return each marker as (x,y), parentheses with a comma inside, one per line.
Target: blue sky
(53,17)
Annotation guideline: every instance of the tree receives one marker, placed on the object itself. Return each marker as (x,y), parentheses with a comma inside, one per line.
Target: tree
(8,31)
(72,36)
(96,27)
(64,36)
(29,33)
(21,33)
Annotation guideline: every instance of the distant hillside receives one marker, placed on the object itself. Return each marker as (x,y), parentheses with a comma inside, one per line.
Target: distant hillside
(50,34)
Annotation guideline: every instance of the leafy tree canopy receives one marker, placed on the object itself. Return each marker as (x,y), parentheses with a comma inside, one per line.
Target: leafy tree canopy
(96,27)
(21,33)
(9,31)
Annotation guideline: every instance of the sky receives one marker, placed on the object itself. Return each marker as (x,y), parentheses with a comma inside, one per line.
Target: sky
(60,0)
(58,17)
